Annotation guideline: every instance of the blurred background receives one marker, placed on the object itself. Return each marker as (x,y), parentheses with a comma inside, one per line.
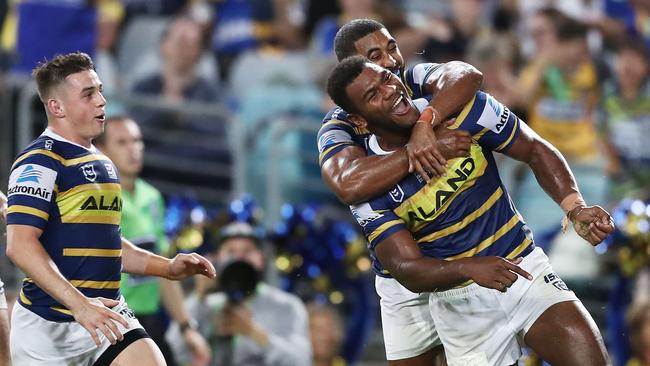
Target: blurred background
(229,95)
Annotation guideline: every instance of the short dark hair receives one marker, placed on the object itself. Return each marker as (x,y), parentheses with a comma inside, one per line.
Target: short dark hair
(570,29)
(342,75)
(101,139)
(352,32)
(51,73)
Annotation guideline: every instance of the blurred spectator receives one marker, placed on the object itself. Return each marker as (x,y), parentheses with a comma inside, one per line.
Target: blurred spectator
(626,122)
(322,41)
(559,88)
(269,327)
(638,321)
(627,19)
(495,56)
(243,25)
(326,329)
(47,28)
(143,213)
(109,21)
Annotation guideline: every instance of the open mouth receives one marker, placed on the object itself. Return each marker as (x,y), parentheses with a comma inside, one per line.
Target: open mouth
(101,117)
(401,105)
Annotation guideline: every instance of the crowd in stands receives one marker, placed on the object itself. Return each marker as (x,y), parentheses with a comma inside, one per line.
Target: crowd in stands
(205,78)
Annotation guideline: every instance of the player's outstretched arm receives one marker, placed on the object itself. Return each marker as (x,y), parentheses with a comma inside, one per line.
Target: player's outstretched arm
(402,257)
(143,262)
(25,250)
(553,174)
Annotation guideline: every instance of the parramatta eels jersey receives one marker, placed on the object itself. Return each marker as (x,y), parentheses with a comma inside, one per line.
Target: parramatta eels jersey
(73,194)
(338,132)
(468,212)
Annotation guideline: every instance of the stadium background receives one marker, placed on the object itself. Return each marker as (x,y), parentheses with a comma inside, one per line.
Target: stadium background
(237,139)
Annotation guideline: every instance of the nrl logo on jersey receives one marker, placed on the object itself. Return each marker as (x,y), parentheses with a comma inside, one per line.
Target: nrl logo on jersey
(89,172)
(397,194)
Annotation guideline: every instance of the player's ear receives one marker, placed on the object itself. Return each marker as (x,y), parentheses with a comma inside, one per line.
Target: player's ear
(55,108)
(358,120)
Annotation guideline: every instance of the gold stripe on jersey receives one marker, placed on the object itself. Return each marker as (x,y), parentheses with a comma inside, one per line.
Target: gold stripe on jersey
(24,298)
(383,227)
(59,158)
(520,248)
(61,310)
(485,207)
(91,252)
(480,134)
(512,134)
(94,203)
(433,199)
(324,153)
(488,241)
(28,210)
(95,284)
(463,114)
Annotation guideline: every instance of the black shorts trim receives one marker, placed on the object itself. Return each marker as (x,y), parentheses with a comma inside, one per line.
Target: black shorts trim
(114,349)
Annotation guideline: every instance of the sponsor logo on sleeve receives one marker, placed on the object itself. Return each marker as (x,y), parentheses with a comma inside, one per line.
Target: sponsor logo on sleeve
(32,180)
(497,121)
(111,170)
(364,214)
(332,137)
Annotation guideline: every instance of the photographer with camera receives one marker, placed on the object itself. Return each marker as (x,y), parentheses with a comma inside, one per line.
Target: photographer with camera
(247,321)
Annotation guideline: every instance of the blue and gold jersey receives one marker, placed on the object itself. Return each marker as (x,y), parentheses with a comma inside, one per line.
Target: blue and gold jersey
(73,194)
(466,213)
(338,132)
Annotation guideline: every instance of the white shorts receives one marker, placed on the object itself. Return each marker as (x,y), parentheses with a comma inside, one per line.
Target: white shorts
(35,341)
(483,327)
(406,321)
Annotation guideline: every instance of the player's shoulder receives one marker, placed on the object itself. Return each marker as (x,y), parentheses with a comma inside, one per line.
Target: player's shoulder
(336,113)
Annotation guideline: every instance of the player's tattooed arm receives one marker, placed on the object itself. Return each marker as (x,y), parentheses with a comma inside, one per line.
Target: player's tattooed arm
(553,174)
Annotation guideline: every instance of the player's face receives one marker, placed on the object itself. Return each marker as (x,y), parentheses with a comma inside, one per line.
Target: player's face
(83,105)
(241,249)
(123,144)
(380,47)
(382,99)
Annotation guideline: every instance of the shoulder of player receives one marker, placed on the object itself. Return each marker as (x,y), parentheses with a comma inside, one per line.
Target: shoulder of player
(336,113)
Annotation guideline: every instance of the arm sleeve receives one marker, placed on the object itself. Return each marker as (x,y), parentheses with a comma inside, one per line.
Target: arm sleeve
(292,348)
(333,136)
(377,220)
(416,76)
(32,190)
(492,124)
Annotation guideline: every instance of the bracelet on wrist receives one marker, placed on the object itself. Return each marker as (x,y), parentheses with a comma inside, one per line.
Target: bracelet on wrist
(188,324)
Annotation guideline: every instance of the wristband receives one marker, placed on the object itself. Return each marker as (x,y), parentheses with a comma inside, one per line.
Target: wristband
(188,324)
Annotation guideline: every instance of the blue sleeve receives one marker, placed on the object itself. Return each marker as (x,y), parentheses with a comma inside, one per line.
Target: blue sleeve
(416,76)
(32,189)
(492,124)
(377,220)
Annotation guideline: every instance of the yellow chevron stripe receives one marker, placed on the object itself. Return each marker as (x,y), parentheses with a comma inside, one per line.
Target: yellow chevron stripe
(97,187)
(478,136)
(59,158)
(383,227)
(463,114)
(489,241)
(91,252)
(24,298)
(61,310)
(28,210)
(466,221)
(520,248)
(324,153)
(95,284)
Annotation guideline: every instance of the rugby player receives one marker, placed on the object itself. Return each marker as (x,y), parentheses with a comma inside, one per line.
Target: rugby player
(63,231)
(4,315)
(356,177)
(432,236)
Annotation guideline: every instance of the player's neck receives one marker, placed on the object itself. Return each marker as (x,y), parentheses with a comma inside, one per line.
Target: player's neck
(391,141)
(69,135)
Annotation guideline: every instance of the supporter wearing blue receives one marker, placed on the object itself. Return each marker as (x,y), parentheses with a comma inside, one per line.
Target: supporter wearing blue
(441,235)
(63,231)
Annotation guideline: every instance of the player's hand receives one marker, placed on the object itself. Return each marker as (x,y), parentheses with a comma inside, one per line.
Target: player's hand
(199,348)
(452,143)
(494,272)
(185,265)
(422,149)
(592,223)
(94,314)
